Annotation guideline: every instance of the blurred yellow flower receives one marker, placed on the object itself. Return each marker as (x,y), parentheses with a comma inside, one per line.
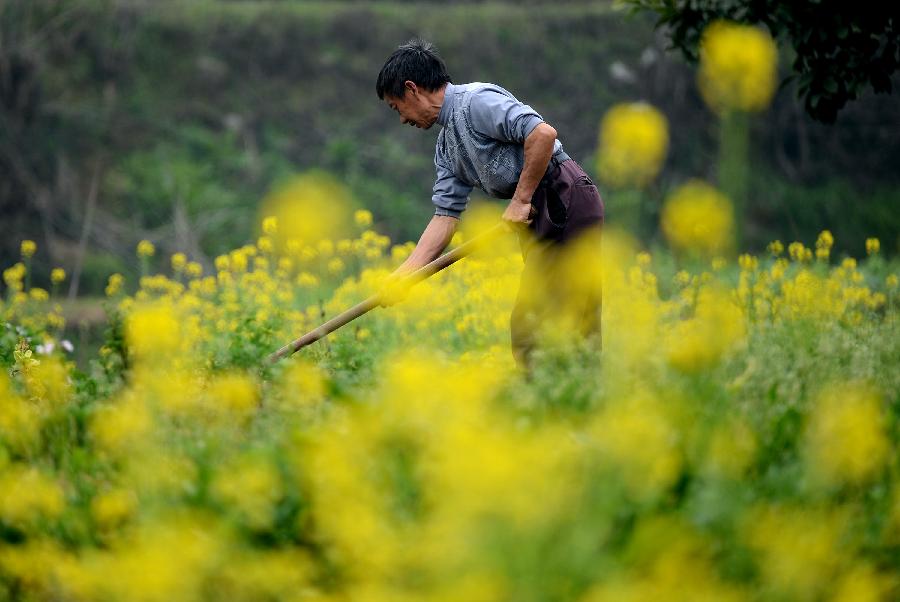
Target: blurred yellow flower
(363,218)
(145,248)
(264,243)
(846,437)
(798,252)
(153,331)
(14,275)
(114,285)
(233,393)
(194,269)
(698,343)
(798,548)
(873,245)
(111,508)
(697,218)
(27,495)
(57,275)
(310,207)
(270,225)
(748,262)
(39,294)
(179,261)
(639,438)
(738,67)
(307,280)
(863,584)
(633,141)
(28,248)
(336,265)
(252,487)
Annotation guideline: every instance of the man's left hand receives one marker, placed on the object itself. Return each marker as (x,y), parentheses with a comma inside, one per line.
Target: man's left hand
(518,213)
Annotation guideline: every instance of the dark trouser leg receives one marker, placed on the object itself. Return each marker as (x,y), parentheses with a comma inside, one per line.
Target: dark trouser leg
(559,292)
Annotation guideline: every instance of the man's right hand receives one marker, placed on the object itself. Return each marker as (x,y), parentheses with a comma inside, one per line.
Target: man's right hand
(518,214)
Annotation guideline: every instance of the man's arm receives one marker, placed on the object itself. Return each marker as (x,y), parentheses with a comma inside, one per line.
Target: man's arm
(434,240)
(538,150)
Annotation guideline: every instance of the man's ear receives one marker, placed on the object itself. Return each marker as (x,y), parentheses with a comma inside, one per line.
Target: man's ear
(410,86)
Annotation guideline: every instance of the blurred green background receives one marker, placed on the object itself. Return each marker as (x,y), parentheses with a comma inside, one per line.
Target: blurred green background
(129,119)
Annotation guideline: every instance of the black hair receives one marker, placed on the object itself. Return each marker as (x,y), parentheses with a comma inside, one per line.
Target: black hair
(417,61)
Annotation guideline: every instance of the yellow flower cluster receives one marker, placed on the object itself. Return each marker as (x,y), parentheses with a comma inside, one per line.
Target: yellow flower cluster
(698,219)
(402,458)
(28,248)
(738,67)
(146,248)
(634,139)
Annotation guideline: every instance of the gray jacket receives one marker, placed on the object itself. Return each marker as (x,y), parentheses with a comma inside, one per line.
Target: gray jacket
(480,144)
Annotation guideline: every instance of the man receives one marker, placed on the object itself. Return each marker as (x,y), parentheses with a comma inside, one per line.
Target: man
(491,140)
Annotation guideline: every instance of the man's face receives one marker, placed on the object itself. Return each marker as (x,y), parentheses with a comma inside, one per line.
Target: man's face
(414,109)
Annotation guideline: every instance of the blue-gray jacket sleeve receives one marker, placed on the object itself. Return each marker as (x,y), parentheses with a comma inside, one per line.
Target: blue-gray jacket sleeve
(450,195)
(502,117)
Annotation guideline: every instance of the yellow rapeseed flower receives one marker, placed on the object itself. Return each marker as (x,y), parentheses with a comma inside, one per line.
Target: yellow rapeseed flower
(27,495)
(639,438)
(264,243)
(776,248)
(307,280)
(270,225)
(633,141)
(336,265)
(233,394)
(799,549)
(153,331)
(179,261)
(697,218)
(145,248)
(39,294)
(363,218)
(57,275)
(325,248)
(14,275)
(223,263)
(846,438)
(28,248)
(748,262)
(194,269)
(738,67)
(798,252)
(873,245)
(825,240)
(114,285)
(111,508)
(252,487)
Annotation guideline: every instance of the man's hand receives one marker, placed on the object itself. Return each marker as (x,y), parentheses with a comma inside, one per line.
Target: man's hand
(518,214)
(538,150)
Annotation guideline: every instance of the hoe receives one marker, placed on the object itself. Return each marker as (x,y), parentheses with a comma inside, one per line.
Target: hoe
(445,260)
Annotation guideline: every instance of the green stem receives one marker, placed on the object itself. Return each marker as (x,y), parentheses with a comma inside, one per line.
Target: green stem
(734,163)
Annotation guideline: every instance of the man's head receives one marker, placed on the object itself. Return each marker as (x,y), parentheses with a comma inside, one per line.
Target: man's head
(412,82)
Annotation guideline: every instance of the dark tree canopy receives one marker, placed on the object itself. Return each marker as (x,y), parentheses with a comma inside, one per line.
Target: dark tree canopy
(840,49)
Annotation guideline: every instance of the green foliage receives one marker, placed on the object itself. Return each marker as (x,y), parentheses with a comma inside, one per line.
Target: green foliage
(839,51)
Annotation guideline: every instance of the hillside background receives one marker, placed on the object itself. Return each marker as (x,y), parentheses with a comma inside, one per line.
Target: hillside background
(170,121)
